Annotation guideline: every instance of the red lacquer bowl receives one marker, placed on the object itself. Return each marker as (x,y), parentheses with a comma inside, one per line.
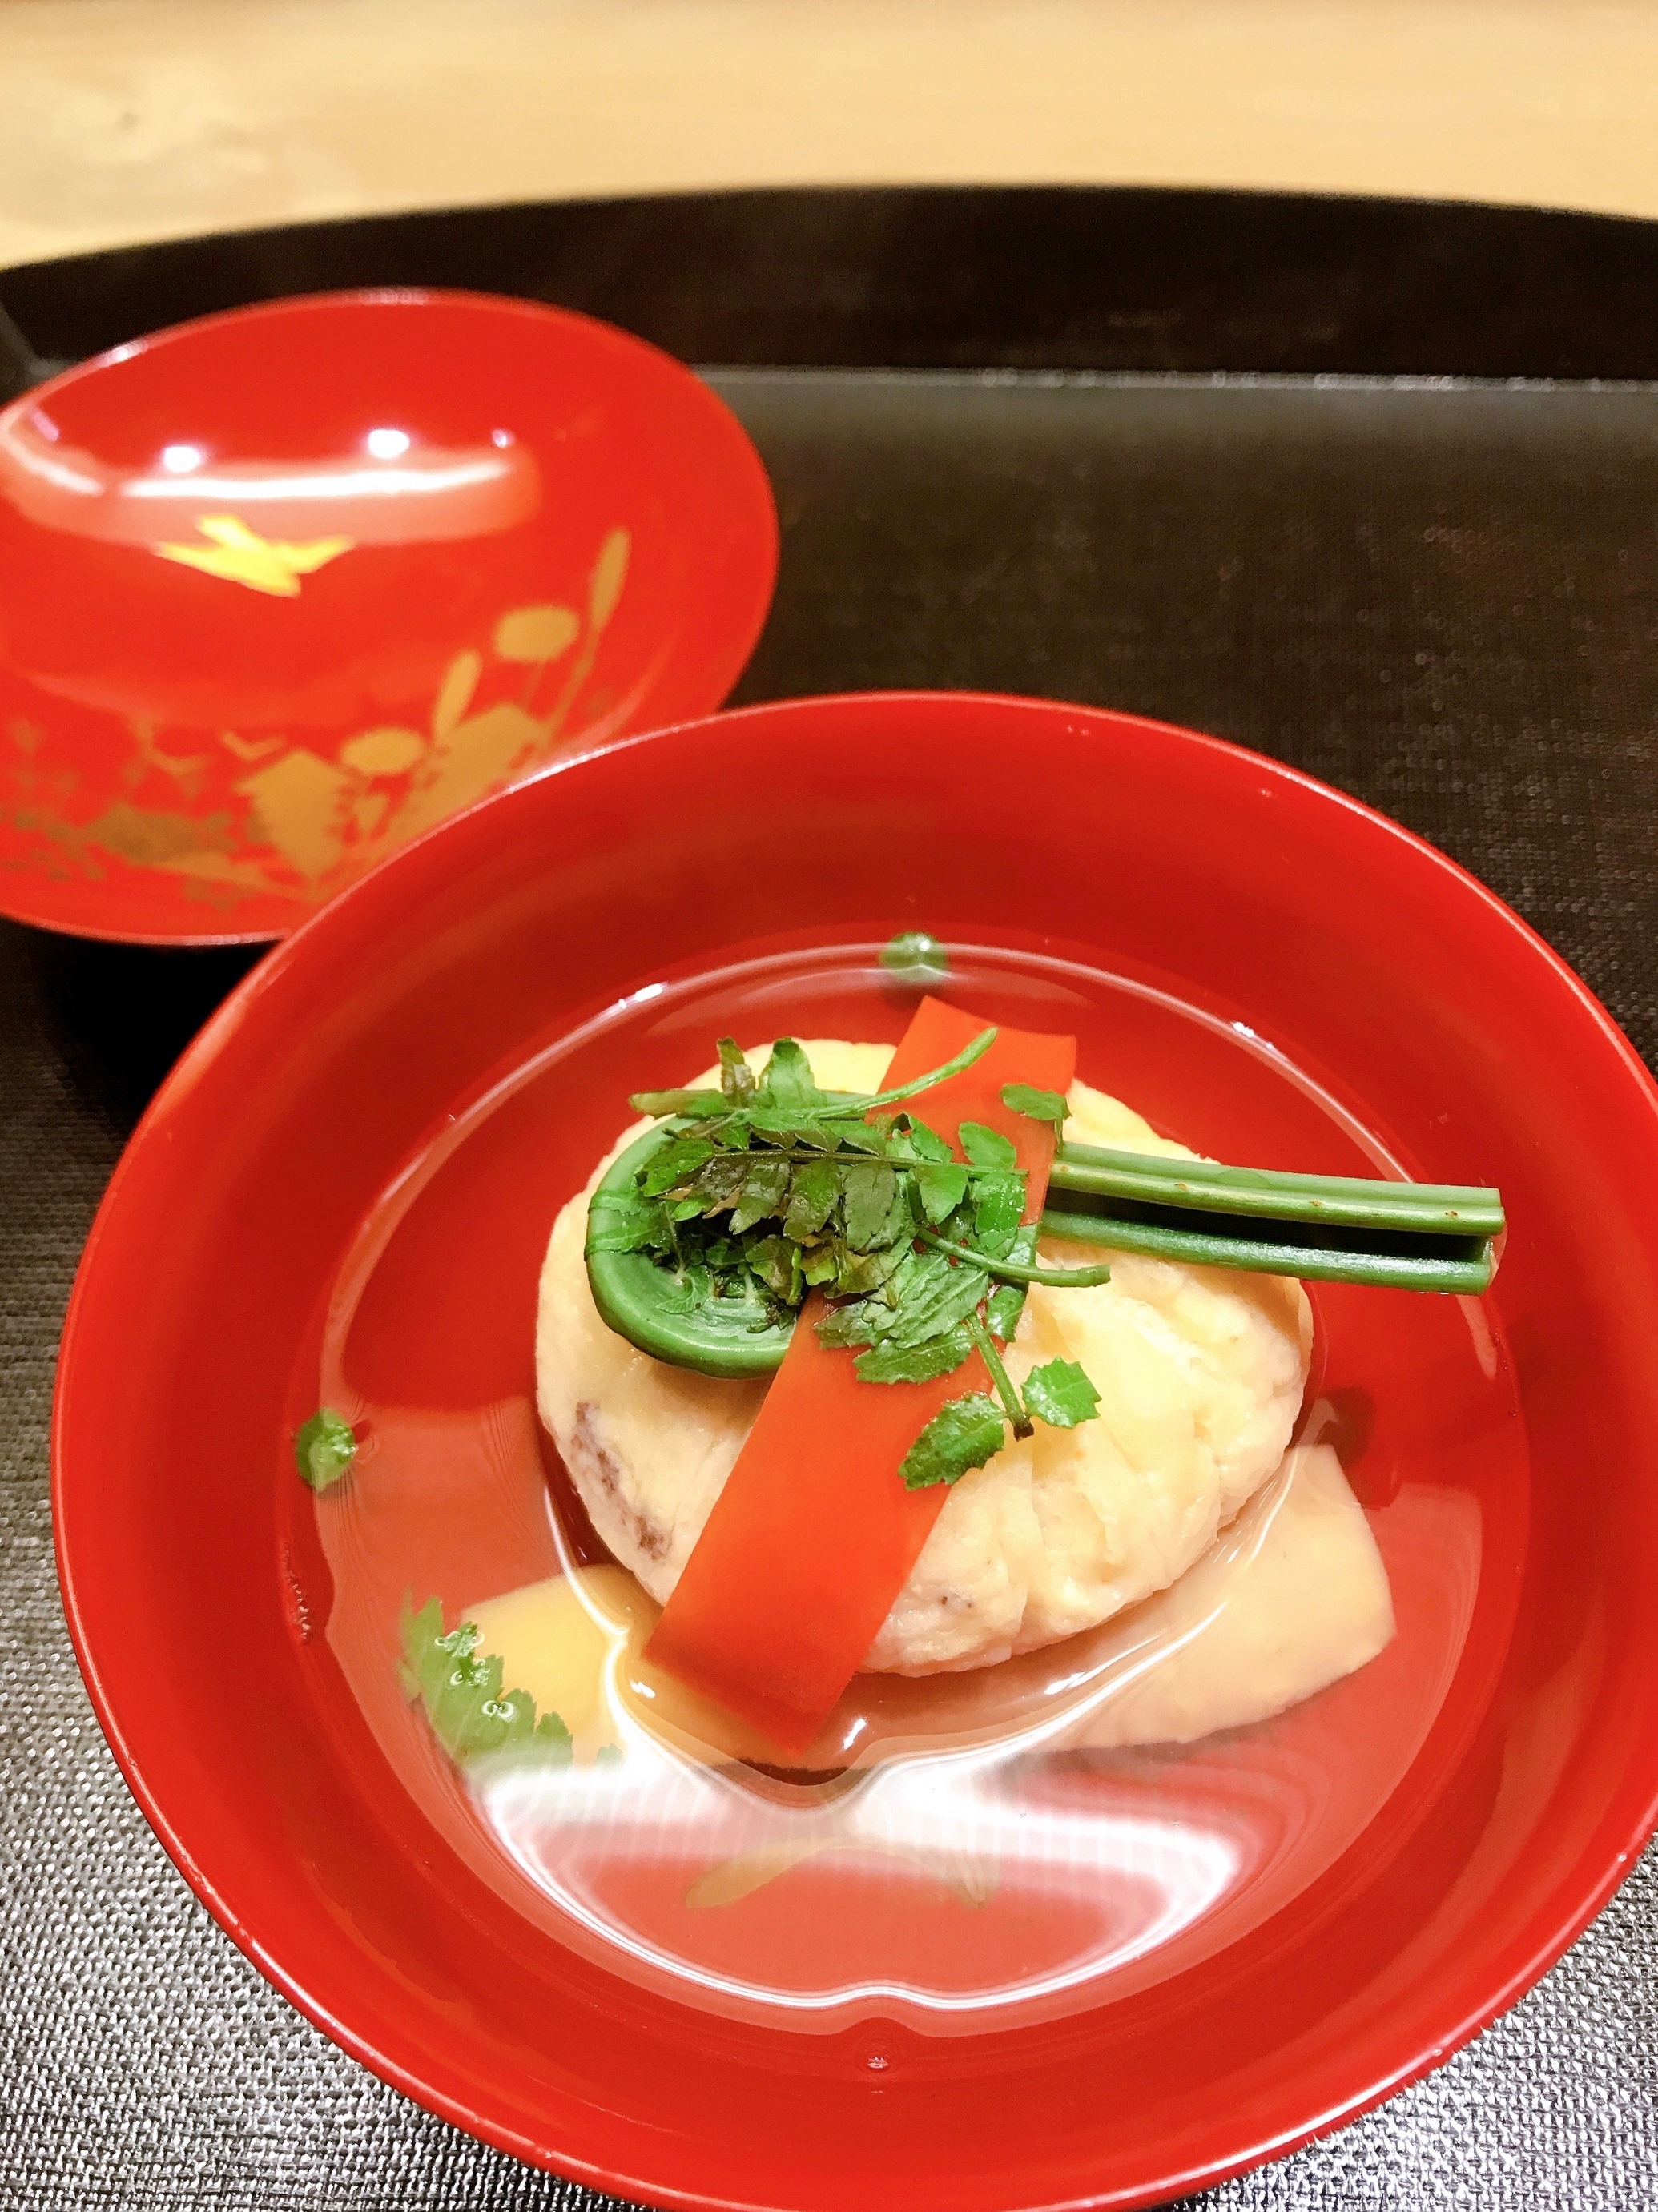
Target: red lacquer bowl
(281,588)
(1507,1451)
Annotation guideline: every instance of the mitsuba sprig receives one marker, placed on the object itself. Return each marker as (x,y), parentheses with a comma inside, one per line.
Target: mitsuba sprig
(767,1189)
(472,1714)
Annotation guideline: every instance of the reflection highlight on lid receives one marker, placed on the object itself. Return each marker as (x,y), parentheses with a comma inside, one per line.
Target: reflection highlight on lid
(402,492)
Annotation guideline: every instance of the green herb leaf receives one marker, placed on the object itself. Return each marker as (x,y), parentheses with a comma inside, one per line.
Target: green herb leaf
(1005,1303)
(891,1362)
(765,1192)
(964,1434)
(869,1188)
(862,1273)
(924,1143)
(788,1129)
(998,1211)
(940,1188)
(735,1076)
(787,1080)
(657,1103)
(987,1147)
(324,1448)
(471,1715)
(1036,1105)
(859,1136)
(812,1195)
(676,1163)
(930,1297)
(850,1196)
(713,1188)
(777,1263)
(629,1224)
(915,958)
(1059,1394)
(845,1326)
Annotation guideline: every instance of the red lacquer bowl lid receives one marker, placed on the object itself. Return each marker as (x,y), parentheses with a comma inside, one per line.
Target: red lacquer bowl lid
(281,588)
(1506,1451)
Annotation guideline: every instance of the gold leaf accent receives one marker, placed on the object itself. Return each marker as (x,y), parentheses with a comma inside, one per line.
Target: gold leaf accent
(197,847)
(296,807)
(316,814)
(389,752)
(186,772)
(30,820)
(537,634)
(609,573)
(249,749)
(455,693)
(203,891)
(470,760)
(239,556)
(151,837)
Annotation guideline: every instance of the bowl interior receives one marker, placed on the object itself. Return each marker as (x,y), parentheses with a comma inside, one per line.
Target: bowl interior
(357,560)
(1420,1006)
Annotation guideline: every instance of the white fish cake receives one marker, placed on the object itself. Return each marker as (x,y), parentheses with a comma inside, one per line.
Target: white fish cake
(1200,1372)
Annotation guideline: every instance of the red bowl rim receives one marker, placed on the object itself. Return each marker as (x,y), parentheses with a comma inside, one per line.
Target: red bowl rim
(1634,1809)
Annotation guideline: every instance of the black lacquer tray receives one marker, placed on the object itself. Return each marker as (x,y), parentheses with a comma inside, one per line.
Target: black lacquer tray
(1372,486)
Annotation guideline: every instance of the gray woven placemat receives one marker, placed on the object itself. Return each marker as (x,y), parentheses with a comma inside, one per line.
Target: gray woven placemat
(1500,695)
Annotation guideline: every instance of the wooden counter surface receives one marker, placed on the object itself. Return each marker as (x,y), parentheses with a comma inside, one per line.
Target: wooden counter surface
(127,119)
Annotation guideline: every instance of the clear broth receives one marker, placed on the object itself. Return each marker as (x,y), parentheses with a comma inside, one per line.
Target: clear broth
(947,1856)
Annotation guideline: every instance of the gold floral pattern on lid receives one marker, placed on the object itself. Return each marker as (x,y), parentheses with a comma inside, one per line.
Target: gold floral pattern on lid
(240,555)
(307,824)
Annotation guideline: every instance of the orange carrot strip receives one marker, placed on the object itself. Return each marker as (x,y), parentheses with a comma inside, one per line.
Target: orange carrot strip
(814,1535)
